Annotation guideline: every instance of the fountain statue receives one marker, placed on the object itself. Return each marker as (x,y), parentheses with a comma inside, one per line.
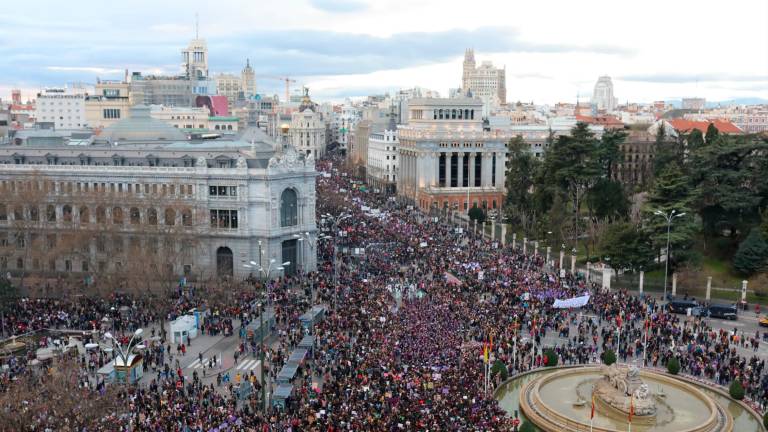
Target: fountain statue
(621,387)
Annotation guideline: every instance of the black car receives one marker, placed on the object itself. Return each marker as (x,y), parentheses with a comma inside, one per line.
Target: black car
(681,306)
(722,311)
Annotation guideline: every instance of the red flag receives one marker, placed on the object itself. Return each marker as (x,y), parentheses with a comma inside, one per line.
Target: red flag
(631,408)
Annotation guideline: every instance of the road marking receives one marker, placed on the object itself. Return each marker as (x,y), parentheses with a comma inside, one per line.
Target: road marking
(246,364)
(194,365)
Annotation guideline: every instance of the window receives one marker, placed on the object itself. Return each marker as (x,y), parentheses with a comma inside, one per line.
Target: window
(111,113)
(51,213)
(186,217)
(50,241)
(226,219)
(85,215)
(84,266)
(18,213)
(20,263)
(101,215)
(135,216)
(222,191)
(288,208)
(3,212)
(101,244)
(152,216)
(170,216)
(117,216)
(66,213)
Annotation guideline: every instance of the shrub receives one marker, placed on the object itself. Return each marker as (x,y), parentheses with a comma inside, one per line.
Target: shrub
(765,420)
(527,426)
(550,357)
(752,253)
(609,357)
(673,366)
(477,214)
(499,367)
(736,390)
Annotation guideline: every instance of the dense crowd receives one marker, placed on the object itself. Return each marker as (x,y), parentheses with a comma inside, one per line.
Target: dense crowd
(400,349)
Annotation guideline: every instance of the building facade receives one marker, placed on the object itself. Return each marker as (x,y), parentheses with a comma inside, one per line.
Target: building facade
(195,60)
(382,160)
(248,80)
(61,108)
(635,169)
(110,103)
(307,129)
(602,96)
(447,160)
(156,204)
(486,82)
(231,86)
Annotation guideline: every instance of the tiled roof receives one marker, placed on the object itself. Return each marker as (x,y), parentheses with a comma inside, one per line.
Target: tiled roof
(724,126)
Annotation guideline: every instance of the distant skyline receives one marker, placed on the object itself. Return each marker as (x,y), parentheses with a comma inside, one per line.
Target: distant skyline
(552,50)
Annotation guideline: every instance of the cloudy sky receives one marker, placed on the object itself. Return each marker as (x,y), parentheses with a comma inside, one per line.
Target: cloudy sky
(552,50)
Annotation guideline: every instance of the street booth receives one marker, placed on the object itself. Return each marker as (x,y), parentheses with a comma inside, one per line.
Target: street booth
(312,317)
(107,372)
(129,370)
(282,393)
(183,329)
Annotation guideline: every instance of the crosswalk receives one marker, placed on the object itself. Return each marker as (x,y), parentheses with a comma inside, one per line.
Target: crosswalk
(245,365)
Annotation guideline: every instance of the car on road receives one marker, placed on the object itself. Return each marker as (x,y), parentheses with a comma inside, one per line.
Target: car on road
(681,306)
(763,321)
(722,311)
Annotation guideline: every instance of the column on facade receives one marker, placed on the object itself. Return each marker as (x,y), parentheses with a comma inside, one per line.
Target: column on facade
(460,167)
(485,170)
(447,169)
(472,169)
(500,167)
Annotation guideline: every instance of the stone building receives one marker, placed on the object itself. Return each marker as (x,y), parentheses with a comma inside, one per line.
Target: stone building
(635,169)
(141,197)
(486,82)
(446,159)
(307,129)
(382,160)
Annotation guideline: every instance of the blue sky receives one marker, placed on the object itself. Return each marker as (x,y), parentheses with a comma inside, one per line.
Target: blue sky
(552,50)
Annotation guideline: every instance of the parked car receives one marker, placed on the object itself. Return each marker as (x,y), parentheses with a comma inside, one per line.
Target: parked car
(681,306)
(764,322)
(723,311)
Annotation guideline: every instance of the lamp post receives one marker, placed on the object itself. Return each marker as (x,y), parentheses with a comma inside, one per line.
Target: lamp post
(667,217)
(268,272)
(335,223)
(123,353)
(264,405)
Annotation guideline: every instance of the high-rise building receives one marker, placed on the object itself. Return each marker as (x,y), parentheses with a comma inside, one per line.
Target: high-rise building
(248,80)
(486,82)
(195,59)
(602,97)
(382,160)
(231,86)
(694,103)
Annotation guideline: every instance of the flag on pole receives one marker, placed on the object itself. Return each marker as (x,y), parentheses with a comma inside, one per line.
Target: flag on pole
(490,347)
(631,408)
(485,353)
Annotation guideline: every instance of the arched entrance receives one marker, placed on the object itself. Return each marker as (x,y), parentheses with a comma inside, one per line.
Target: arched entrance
(290,255)
(224,262)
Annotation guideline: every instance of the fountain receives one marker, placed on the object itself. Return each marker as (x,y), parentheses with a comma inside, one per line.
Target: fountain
(561,399)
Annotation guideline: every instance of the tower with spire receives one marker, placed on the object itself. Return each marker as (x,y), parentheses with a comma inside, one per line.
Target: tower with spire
(248,78)
(469,68)
(195,57)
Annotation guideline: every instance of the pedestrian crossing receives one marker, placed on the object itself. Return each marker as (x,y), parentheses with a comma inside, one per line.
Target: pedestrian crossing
(245,365)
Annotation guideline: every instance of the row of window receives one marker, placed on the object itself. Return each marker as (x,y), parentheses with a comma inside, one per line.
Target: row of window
(47,186)
(222,191)
(116,215)
(111,113)
(68,266)
(102,244)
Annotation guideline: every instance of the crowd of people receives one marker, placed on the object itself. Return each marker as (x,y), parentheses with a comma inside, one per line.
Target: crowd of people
(402,345)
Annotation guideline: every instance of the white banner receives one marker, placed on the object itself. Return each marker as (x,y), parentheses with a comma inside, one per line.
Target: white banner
(575,302)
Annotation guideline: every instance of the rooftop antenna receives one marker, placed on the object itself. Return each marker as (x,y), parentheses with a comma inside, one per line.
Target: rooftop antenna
(197,26)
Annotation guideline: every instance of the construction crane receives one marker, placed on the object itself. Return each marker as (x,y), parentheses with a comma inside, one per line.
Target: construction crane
(287,81)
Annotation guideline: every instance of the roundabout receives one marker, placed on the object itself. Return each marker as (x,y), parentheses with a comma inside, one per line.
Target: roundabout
(561,399)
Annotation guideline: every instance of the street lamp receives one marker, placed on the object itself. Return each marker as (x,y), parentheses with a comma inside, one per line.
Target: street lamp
(124,352)
(667,217)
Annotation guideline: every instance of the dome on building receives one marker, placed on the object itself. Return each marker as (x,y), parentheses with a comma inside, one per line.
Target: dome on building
(140,127)
(306,102)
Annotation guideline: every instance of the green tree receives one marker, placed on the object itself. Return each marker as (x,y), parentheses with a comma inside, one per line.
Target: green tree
(671,191)
(609,151)
(695,139)
(607,200)
(477,214)
(752,255)
(668,151)
(522,169)
(628,247)
(527,426)
(609,357)
(712,133)
(673,366)
(573,166)
(736,390)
